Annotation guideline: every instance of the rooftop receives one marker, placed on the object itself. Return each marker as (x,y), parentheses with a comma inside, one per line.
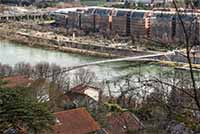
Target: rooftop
(15,81)
(75,121)
(84,89)
(156,10)
(120,123)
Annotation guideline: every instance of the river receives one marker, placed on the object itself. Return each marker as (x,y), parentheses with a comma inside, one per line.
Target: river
(12,53)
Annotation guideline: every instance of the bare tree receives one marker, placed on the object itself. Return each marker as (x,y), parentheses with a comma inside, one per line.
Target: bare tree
(23,69)
(84,76)
(188,53)
(5,70)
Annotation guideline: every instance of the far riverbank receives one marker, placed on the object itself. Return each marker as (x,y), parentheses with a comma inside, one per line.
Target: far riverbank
(49,40)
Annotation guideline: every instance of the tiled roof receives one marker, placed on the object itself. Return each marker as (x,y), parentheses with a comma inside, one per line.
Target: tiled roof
(120,123)
(75,121)
(15,81)
(90,91)
(81,88)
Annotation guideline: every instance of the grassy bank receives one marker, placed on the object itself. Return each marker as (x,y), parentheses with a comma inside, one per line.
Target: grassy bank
(93,2)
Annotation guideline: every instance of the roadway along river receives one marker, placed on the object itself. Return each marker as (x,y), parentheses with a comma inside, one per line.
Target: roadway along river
(12,53)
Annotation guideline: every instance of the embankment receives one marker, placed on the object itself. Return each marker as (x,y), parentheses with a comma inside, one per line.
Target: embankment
(68,46)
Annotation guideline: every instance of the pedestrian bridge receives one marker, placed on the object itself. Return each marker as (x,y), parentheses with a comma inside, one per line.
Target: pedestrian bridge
(151,58)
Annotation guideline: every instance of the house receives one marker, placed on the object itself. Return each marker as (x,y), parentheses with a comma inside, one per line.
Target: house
(122,123)
(90,91)
(17,81)
(75,121)
(84,96)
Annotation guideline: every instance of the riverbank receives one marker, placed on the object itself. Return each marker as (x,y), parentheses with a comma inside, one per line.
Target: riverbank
(53,41)
(50,40)
(31,42)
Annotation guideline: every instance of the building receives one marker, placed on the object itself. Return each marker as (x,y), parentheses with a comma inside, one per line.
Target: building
(75,121)
(85,89)
(84,96)
(121,123)
(158,24)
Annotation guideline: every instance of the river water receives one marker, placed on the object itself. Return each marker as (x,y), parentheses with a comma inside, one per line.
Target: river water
(12,53)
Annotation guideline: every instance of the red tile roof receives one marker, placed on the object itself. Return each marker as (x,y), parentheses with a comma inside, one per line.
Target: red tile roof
(81,88)
(75,121)
(15,81)
(120,123)
(93,92)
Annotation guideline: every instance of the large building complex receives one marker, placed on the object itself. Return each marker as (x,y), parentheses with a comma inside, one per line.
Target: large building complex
(158,25)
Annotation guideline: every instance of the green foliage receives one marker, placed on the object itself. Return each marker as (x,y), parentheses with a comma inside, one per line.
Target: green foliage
(114,107)
(180,117)
(188,120)
(18,110)
(93,2)
(3,82)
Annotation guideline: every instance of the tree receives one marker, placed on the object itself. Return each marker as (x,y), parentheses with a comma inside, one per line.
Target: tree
(84,76)
(22,113)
